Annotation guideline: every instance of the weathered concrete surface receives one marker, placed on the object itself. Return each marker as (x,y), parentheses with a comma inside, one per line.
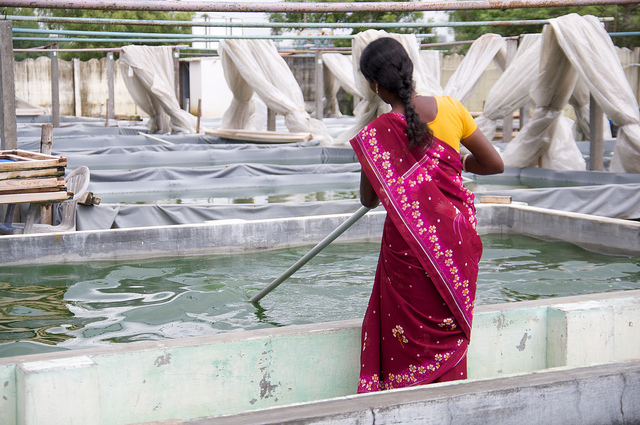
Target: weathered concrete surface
(611,236)
(237,372)
(608,394)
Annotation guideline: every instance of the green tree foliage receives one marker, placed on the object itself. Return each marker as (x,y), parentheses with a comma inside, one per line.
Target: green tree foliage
(626,18)
(355,17)
(115,14)
(92,14)
(20,44)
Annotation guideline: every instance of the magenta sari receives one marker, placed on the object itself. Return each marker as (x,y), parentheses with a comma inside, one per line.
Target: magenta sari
(418,323)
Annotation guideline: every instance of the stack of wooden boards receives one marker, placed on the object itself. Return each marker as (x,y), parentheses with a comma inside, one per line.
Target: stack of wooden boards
(31,177)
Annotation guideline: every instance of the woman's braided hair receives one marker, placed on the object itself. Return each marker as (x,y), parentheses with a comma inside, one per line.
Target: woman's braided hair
(386,62)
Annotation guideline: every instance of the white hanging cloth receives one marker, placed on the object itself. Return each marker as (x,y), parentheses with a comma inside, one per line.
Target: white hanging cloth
(590,49)
(432,63)
(341,68)
(337,73)
(547,140)
(255,66)
(489,47)
(577,51)
(24,107)
(511,91)
(148,73)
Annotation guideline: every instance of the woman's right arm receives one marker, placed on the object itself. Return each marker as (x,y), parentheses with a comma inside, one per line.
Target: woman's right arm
(368,196)
(484,158)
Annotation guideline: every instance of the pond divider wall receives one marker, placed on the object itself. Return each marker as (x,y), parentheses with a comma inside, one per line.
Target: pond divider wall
(600,234)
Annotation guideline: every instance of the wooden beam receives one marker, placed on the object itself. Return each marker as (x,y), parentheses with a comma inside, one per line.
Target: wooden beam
(7,89)
(35,197)
(24,174)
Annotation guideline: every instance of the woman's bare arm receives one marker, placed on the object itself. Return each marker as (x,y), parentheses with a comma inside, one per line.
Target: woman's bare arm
(368,196)
(484,158)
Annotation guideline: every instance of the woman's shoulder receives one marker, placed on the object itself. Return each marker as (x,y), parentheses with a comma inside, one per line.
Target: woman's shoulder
(449,101)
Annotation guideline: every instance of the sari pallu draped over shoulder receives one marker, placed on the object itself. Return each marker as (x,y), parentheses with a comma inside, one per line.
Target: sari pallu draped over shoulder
(434,214)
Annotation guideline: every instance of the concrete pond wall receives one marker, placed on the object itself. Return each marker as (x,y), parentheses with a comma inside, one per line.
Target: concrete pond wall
(230,374)
(237,372)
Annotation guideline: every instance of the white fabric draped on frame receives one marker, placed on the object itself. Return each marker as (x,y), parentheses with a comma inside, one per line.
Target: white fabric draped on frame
(578,57)
(488,48)
(340,74)
(148,73)
(256,66)
(511,91)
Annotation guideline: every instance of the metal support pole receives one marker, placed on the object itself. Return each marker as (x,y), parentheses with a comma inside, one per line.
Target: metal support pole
(596,142)
(271,120)
(7,89)
(199,115)
(524,116)
(176,73)
(111,107)
(507,121)
(55,89)
(319,74)
(77,88)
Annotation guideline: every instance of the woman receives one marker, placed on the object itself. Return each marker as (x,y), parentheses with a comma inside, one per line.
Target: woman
(417,325)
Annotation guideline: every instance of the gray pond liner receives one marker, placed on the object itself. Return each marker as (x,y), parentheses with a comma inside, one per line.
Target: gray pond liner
(145,182)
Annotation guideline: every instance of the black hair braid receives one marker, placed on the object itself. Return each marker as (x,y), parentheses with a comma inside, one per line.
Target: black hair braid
(386,62)
(419,133)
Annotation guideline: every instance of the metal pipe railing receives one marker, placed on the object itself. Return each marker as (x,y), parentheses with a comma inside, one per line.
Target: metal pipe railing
(197,39)
(329,25)
(174,35)
(311,7)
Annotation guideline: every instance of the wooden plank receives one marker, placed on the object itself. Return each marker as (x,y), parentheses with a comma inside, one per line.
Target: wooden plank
(24,174)
(495,199)
(35,197)
(17,184)
(260,136)
(30,165)
(28,154)
(35,190)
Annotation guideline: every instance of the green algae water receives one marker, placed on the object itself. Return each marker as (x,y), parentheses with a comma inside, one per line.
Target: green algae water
(55,307)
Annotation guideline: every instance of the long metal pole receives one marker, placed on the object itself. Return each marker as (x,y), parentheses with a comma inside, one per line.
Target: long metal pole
(230,24)
(311,7)
(309,255)
(195,38)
